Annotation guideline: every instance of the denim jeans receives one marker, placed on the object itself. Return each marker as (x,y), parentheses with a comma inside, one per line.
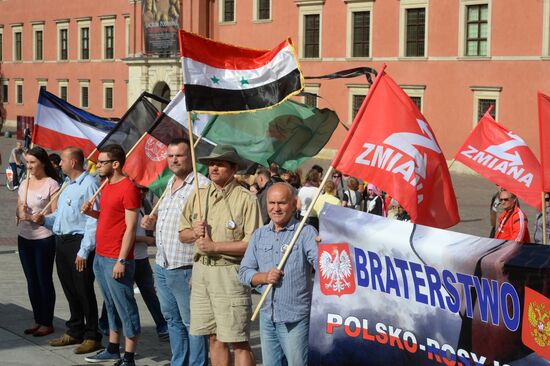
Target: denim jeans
(174,293)
(143,277)
(37,257)
(118,295)
(282,341)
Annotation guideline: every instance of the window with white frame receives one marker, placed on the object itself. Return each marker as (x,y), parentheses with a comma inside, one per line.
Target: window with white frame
(356,95)
(108,94)
(84,39)
(261,10)
(359,28)
(311,93)
(127,32)
(1,43)
(84,93)
(413,32)
(227,11)
(5,91)
(310,27)
(38,41)
(484,97)
(416,93)
(42,85)
(63,89)
(63,40)
(108,37)
(475,28)
(18,91)
(17,31)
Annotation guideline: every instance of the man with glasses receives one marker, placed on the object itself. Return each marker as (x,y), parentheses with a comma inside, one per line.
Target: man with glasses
(538,235)
(512,223)
(221,227)
(114,262)
(174,261)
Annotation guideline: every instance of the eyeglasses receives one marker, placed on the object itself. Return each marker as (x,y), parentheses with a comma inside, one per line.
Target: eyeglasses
(101,162)
(547,199)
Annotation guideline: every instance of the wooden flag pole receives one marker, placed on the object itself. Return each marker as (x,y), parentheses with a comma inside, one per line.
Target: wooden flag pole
(544,241)
(154,210)
(293,241)
(451,164)
(194,162)
(54,197)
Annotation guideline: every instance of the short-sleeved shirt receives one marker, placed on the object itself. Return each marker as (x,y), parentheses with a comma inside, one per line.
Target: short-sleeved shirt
(111,224)
(306,195)
(234,204)
(16,154)
(325,197)
(37,199)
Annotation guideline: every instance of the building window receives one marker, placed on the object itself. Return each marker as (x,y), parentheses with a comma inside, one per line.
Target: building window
(356,96)
(484,97)
(416,93)
(311,91)
(5,91)
(417,102)
(311,35)
(108,96)
(109,42)
(477,29)
(361,34)
(357,101)
(63,44)
(19,92)
(264,9)
(416,27)
(1,44)
(84,96)
(38,45)
(84,43)
(228,10)
(310,100)
(63,92)
(17,46)
(127,32)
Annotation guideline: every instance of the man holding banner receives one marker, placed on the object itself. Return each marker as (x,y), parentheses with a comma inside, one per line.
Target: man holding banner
(220,304)
(284,319)
(512,223)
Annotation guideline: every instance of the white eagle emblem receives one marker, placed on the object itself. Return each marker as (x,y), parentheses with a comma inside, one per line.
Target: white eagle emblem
(336,270)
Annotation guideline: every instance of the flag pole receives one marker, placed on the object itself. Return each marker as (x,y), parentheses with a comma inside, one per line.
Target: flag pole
(54,197)
(544,241)
(194,162)
(450,165)
(325,178)
(293,241)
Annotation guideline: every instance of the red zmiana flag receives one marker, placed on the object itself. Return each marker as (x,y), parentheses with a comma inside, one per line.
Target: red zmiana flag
(391,145)
(535,329)
(503,158)
(544,136)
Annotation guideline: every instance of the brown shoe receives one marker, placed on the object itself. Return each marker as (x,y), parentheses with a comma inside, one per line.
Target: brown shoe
(65,340)
(89,345)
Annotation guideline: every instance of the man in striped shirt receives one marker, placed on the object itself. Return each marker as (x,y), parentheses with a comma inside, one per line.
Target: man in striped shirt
(174,261)
(284,317)
(512,223)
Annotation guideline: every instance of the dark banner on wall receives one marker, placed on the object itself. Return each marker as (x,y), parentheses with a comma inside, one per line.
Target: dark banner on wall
(161,19)
(394,293)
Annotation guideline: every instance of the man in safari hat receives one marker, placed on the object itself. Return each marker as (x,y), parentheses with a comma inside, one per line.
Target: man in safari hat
(221,223)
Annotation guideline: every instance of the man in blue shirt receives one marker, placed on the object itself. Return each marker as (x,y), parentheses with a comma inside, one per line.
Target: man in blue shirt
(75,249)
(284,317)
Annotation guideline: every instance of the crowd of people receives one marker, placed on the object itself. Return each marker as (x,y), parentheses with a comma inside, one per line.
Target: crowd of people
(217,238)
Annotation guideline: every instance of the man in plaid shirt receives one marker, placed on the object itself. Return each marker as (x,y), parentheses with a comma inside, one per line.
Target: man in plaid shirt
(174,261)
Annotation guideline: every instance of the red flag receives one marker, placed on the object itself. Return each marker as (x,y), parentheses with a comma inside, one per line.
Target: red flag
(535,329)
(504,158)
(147,161)
(544,137)
(392,146)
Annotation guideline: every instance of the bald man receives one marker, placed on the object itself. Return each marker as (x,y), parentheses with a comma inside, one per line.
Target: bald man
(284,317)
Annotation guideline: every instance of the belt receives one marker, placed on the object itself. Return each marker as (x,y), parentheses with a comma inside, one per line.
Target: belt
(217,261)
(69,236)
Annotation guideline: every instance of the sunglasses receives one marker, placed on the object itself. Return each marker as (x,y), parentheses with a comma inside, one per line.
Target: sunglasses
(547,199)
(505,199)
(101,162)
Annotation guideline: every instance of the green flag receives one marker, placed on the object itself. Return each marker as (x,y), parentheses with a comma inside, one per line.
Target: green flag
(287,134)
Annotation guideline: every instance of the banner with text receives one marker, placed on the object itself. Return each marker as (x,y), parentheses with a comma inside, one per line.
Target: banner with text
(395,293)
(161,22)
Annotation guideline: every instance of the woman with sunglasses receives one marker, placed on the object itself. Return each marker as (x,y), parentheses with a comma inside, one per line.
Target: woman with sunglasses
(538,224)
(35,243)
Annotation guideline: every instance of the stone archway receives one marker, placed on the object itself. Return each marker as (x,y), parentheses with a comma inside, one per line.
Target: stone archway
(162,90)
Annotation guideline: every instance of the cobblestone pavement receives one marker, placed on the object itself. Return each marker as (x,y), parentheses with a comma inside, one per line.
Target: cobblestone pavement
(473,192)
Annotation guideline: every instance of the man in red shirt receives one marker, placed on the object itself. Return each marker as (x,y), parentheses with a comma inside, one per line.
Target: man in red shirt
(114,262)
(512,223)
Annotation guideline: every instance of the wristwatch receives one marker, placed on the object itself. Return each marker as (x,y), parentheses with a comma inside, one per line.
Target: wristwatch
(123,261)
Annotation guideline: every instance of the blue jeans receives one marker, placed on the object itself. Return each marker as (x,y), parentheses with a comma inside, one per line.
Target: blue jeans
(144,281)
(282,341)
(118,295)
(174,293)
(37,257)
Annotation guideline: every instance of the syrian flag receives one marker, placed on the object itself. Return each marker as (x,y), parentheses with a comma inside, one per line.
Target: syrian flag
(391,145)
(221,78)
(59,124)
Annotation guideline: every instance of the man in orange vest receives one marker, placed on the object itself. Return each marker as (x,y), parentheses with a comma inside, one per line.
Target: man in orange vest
(512,223)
